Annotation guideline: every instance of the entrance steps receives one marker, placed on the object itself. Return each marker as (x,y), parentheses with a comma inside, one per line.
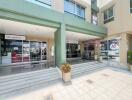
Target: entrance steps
(85,68)
(20,83)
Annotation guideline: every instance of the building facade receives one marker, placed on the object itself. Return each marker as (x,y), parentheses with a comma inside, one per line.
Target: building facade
(116,16)
(53,32)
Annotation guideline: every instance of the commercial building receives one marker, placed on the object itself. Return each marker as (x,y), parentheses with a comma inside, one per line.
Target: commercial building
(116,16)
(39,33)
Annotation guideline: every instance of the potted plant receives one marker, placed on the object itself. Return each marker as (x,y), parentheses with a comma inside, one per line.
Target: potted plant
(66,72)
(129,59)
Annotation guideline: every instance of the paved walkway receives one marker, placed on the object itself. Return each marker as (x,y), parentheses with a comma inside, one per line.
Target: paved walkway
(107,84)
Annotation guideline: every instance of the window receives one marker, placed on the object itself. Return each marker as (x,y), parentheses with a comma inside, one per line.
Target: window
(74,8)
(94,18)
(131,6)
(73,50)
(108,15)
(44,3)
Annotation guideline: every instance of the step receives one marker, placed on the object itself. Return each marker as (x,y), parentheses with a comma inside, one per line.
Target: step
(24,75)
(22,81)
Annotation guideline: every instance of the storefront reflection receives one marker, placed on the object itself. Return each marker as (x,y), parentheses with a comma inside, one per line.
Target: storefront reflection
(17,51)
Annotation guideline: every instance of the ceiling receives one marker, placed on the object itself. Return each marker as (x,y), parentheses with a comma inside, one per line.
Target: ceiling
(18,28)
(79,36)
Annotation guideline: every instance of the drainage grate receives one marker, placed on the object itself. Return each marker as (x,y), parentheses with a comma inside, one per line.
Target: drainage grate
(48,97)
(89,81)
(106,75)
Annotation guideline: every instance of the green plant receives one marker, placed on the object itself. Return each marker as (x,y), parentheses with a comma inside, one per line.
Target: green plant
(129,57)
(66,68)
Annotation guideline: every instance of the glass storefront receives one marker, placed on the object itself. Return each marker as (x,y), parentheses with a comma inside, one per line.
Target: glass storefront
(17,51)
(73,50)
(110,49)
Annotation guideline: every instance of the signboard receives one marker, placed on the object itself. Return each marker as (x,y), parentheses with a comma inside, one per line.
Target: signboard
(70,41)
(14,37)
(113,45)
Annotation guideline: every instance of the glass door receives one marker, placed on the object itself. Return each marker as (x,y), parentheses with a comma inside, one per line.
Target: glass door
(35,51)
(43,51)
(26,51)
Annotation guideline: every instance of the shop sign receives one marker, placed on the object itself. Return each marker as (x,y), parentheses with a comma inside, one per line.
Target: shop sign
(14,37)
(113,44)
(71,41)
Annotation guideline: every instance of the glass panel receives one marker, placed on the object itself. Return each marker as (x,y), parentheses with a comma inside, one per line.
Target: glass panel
(69,6)
(26,51)
(44,3)
(13,51)
(131,6)
(130,3)
(105,15)
(83,12)
(110,12)
(73,50)
(35,51)
(44,51)
(94,18)
(80,11)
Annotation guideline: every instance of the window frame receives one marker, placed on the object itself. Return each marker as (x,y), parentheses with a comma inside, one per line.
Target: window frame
(130,6)
(109,18)
(75,9)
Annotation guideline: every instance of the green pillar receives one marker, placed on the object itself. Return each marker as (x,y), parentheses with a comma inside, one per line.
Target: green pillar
(60,46)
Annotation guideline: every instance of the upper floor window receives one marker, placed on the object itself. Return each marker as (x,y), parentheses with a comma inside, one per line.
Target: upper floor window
(94,18)
(74,8)
(131,6)
(44,3)
(109,15)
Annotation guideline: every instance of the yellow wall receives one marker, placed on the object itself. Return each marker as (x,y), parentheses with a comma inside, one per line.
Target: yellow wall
(58,5)
(121,26)
(123,18)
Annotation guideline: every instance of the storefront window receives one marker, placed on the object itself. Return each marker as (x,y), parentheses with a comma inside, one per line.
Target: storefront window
(35,51)
(110,49)
(14,51)
(73,50)
(26,51)
(43,51)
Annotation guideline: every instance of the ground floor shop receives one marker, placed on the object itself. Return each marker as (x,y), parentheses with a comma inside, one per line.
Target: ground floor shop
(26,47)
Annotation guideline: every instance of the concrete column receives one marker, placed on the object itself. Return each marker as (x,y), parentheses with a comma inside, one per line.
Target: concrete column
(58,5)
(81,47)
(60,46)
(123,48)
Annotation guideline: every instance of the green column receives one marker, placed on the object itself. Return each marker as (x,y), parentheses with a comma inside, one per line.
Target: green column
(60,46)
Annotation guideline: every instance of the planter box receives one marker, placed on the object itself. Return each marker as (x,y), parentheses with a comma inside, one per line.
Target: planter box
(66,77)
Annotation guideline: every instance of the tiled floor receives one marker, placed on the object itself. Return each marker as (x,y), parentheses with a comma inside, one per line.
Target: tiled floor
(107,84)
